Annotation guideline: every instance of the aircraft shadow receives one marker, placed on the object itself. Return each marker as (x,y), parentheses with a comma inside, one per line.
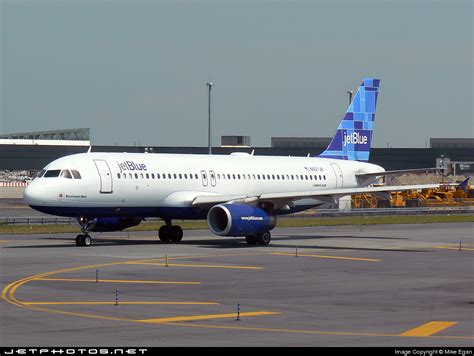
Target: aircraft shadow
(219,243)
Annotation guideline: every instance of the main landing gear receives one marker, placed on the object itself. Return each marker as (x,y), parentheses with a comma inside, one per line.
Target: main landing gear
(170,233)
(262,239)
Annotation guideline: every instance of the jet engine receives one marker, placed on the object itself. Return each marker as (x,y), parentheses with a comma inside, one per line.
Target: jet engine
(239,220)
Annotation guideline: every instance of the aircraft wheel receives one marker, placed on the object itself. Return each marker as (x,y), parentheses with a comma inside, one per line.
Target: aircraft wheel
(165,234)
(176,233)
(251,240)
(78,240)
(86,240)
(264,238)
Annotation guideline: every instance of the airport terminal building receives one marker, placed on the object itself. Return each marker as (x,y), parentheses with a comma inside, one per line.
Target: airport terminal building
(32,151)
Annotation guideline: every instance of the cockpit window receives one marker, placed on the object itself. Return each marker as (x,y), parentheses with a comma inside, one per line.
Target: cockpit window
(66,174)
(40,173)
(76,174)
(52,173)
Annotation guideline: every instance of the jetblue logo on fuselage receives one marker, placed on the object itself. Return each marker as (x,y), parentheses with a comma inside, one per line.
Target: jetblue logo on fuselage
(251,218)
(131,166)
(355,138)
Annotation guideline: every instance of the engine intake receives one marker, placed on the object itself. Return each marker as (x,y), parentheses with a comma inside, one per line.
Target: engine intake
(239,220)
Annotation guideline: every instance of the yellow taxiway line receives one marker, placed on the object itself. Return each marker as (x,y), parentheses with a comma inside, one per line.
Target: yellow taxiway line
(110,281)
(121,303)
(194,265)
(204,317)
(324,256)
(428,329)
(455,248)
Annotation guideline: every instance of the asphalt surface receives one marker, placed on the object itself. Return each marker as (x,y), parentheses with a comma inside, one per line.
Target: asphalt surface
(397,285)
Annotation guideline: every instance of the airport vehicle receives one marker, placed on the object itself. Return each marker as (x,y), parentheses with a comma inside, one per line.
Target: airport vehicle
(239,194)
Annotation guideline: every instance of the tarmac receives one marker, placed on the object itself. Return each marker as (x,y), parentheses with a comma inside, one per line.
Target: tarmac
(384,285)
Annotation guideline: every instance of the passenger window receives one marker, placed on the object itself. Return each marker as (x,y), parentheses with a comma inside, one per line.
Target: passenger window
(118,175)
(147,176)
(52,173)
(124,175)
(141,175)
(180,176)
(185,176)
(136,175)
(153,176)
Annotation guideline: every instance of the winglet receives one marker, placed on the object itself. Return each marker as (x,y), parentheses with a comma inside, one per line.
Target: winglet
(463,184)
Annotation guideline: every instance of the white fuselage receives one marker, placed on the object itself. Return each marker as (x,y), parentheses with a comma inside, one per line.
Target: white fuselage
(118,182)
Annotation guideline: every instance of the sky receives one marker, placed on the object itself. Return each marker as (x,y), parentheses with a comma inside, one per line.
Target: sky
(135,71)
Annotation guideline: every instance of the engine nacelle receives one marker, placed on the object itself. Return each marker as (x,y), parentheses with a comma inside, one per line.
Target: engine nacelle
(239,220)
(109,224)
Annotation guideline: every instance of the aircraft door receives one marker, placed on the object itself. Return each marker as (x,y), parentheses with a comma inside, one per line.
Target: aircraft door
(339,176)
(204,178)
(212,175)
(105,176)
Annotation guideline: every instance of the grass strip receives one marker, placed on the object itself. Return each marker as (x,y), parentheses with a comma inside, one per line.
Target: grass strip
(282,222)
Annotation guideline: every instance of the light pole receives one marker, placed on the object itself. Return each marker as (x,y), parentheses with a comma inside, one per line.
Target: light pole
(350,92)
(209,85)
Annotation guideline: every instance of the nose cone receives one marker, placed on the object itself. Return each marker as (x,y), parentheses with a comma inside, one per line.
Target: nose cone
(31,195)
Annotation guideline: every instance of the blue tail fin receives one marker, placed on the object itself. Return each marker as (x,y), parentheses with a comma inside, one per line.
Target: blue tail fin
(354,135)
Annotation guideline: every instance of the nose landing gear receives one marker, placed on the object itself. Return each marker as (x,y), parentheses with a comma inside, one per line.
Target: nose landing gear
(84,239)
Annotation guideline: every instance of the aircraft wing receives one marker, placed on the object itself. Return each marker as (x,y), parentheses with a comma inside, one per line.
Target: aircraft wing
(335,193)
(203,200)
(399,172)
(209,200)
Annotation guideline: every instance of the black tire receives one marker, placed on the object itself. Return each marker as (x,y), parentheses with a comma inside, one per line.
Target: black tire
(251,240)
(165,234)
(78,240)
(264,238)
(176,234)
(86,240)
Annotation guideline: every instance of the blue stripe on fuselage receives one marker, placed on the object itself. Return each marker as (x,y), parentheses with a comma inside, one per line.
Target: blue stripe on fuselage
(184,213)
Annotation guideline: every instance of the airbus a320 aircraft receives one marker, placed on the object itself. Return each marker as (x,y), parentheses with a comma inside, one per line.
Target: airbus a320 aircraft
(239,194)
